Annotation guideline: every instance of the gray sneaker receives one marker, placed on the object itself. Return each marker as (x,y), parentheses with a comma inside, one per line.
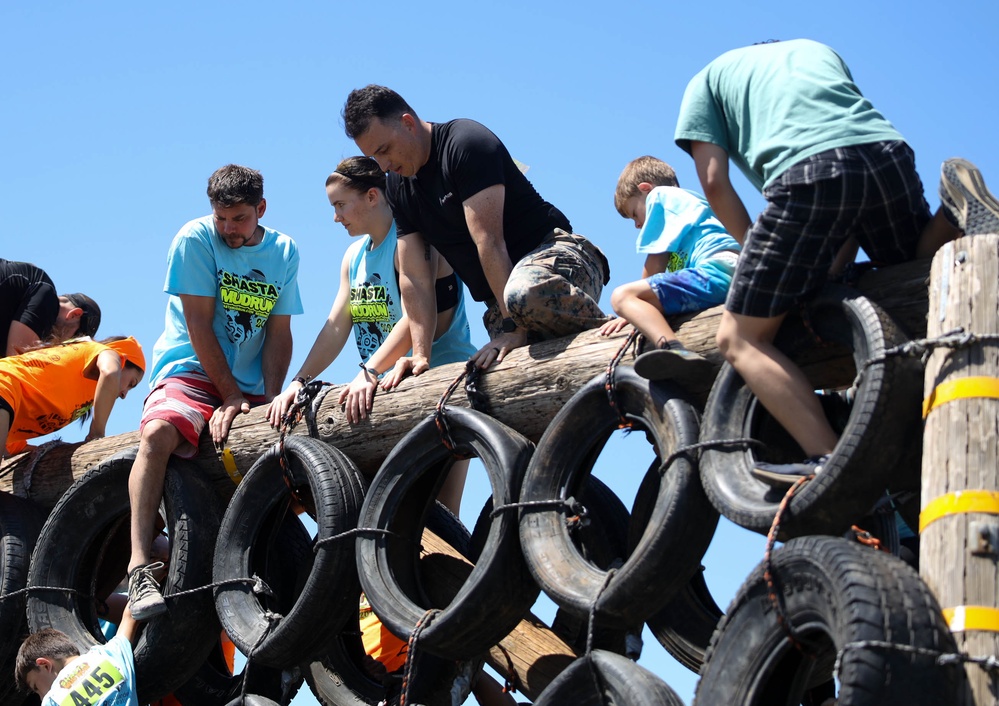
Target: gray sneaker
(670,364)
(967,201)
(144,598)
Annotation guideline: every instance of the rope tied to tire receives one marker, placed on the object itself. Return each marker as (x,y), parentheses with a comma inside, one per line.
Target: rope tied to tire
(570,504)
(591,624)
(475,397)
(866,538)
(773,593)
(989,663)
(362,531)
(511,680)
(921,348)
(689,450)
(306,404)
(414,637)
(609,385)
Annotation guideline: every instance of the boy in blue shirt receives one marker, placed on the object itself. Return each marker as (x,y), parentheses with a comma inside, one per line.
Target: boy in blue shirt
(688,265)
(50,665)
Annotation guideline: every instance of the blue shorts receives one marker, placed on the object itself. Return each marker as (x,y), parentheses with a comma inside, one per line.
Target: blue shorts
(869,191)
(694,288)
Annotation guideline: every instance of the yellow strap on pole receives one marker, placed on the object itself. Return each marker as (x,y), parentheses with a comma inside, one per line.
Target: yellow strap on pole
(960,389)
(972,617)
(958,502)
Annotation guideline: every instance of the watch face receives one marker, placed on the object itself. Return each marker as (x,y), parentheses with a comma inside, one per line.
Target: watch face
(509,325)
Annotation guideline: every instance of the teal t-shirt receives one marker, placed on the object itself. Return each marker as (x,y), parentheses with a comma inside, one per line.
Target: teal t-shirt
(772,105)
(249,284)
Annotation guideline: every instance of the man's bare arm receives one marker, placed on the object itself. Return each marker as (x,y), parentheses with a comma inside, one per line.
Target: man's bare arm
(484,217)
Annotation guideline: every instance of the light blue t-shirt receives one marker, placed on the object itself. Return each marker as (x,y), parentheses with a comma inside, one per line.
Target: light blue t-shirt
(681,223)
(102,676)
(771,105)
(376,303)
(248,283)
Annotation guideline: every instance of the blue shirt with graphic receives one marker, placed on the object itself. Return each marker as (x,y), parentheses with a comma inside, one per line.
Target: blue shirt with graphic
(102,676)
(376,304)
(248,284)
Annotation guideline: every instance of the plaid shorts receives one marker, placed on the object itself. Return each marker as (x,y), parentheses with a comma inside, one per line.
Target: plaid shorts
(869,191)
(187,402)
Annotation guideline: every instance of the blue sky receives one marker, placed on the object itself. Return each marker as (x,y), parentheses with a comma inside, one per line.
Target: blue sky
(114,114)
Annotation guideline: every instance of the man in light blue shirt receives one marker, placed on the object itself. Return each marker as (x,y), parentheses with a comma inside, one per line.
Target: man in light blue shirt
(233,286)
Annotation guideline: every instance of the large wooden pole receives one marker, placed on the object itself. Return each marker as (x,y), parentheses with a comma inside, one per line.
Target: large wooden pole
(959,537)
(524,392)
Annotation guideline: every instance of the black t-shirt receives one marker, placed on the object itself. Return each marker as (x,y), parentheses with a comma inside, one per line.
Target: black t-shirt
(465,158)
(26,295)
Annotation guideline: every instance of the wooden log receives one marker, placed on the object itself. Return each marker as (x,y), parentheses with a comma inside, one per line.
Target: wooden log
(524,392)
(530,656)
(959,549)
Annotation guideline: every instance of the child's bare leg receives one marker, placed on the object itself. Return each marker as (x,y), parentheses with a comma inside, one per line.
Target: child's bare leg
(454,486)
(637,303)
(747,343)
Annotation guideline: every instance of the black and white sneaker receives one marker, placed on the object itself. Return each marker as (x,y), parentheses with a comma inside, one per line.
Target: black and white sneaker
(144,597)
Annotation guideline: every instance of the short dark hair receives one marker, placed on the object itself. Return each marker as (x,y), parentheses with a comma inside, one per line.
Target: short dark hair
(90,321)
(359,174)
(49,643)
(232,185)
(369,102)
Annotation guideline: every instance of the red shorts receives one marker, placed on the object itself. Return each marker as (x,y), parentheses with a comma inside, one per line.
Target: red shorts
(187,402)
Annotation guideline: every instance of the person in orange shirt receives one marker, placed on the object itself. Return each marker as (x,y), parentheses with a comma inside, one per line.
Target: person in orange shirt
(44,389)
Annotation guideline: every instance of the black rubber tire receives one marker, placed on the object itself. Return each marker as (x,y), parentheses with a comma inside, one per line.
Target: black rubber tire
(685,624)
(339,677)
(20,522)
(668,548)
(875,450)
(70,553)
(215,685)
(834,593)
(320,610)
(607,678)
(287,566)
(402,493)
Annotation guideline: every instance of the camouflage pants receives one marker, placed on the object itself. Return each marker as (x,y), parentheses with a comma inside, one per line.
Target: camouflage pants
(554,290)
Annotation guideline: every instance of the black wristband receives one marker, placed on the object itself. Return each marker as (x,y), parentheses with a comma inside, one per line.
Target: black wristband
(370,371)
(302,380)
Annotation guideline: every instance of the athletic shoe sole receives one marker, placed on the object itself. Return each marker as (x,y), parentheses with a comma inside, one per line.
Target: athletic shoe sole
(663,364)
(964,194)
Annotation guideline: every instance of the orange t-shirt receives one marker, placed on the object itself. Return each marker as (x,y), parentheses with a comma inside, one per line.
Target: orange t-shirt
(46,388)
(379,642)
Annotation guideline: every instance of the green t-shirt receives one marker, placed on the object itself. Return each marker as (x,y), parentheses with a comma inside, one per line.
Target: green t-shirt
(772,105)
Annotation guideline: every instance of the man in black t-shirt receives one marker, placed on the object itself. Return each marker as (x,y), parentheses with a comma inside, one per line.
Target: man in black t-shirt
(32,312)
(454,186)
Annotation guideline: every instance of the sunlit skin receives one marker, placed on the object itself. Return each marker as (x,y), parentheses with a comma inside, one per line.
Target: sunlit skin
(67,322)
(358,212)
(239,225)
(40,680)
(130,377)
(400,145)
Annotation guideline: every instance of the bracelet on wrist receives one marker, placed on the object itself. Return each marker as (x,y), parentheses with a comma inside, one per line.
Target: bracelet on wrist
(303,380)
(370,371)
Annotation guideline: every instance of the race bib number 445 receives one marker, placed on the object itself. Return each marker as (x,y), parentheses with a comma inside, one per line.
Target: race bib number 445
(87,685)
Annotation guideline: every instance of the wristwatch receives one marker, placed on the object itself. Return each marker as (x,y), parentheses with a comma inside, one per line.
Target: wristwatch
(509,325)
